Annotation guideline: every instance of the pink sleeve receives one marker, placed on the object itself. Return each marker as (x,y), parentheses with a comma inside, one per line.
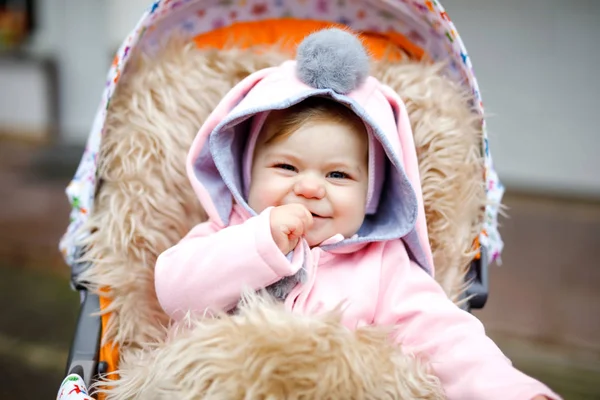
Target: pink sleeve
(210,268)
(467,362)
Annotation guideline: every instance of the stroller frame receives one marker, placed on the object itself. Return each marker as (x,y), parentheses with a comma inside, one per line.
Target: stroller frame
(84,358)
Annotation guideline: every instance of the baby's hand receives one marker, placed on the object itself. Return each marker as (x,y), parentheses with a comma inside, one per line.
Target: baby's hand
(288,224)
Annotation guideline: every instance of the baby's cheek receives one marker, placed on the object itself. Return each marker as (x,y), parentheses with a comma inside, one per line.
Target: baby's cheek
(353,202)
(350,213)
(266,197)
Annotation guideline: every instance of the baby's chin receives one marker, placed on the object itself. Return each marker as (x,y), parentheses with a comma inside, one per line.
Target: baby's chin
(313,242)
(314,239)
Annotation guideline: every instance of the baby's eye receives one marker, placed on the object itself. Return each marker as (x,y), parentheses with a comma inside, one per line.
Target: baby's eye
(287,167)
(338,175)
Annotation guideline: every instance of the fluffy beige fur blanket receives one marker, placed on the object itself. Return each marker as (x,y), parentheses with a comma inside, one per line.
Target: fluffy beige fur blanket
(145,205)
(264,352)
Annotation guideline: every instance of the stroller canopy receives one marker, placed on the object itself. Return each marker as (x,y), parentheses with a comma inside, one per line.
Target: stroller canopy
(424,26)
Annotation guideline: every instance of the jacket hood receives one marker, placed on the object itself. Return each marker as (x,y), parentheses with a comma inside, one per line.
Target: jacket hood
(214,163)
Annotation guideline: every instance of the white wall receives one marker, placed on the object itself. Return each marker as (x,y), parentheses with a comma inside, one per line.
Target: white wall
(23,99)
(73,32)
(536,62)
(81,36)
(122,17)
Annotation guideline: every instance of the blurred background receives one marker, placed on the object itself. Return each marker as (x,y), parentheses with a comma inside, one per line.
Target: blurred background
(536,62)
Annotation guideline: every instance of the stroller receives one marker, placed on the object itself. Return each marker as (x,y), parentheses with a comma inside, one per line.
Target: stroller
(130,196)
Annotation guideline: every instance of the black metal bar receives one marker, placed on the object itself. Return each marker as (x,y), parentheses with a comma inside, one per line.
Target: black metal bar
(83,356)
(478,277)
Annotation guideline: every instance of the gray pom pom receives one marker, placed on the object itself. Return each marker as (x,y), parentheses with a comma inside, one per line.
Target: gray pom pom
(332,59)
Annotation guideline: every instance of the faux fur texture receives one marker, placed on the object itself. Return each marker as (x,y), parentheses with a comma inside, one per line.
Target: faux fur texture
(145,203)
(264,352)
(332,59)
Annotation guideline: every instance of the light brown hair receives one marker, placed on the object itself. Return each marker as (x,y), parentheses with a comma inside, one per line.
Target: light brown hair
(280,124)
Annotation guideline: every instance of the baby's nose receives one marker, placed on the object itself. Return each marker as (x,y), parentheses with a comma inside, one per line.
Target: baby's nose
(309,187)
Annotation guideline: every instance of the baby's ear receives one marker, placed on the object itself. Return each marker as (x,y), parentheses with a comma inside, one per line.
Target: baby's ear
(332,59)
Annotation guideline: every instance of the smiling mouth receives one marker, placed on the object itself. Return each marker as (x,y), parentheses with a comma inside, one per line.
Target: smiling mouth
(317,215)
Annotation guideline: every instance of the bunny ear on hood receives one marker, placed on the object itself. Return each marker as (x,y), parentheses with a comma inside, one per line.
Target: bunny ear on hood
(331,63)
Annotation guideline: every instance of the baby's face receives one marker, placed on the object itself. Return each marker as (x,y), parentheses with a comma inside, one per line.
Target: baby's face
(322,165)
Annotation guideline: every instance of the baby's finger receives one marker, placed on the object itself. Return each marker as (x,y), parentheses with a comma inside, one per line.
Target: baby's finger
(303,213)
(288,228)
(286,240)
(298,226)
(308,221)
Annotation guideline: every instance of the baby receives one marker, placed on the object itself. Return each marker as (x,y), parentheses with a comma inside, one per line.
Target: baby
(309,176)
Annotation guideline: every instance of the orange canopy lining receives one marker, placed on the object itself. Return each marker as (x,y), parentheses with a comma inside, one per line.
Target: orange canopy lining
(286,34)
